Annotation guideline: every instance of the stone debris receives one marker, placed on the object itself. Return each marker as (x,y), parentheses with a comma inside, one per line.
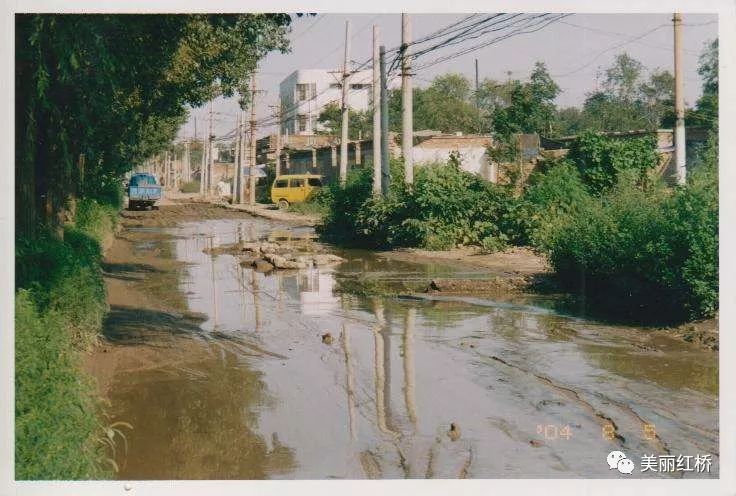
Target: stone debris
(266,256)
(262,266)
(327,338)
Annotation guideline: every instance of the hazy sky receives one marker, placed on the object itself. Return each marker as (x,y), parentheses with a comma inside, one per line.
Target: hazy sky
(576,50)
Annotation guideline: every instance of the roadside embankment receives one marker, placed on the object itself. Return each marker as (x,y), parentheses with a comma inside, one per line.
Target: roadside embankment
(59,308)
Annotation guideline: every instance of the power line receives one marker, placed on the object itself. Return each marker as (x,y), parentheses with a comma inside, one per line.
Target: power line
(308,29)
(538,23)
(613,47)
(615,33)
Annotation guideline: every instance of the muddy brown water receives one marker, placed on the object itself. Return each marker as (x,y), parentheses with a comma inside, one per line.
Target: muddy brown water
(257,394)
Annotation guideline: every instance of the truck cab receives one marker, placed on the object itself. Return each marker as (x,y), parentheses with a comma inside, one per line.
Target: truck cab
(143,191)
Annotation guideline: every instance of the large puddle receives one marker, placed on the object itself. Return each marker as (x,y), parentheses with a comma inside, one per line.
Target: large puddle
(531,393)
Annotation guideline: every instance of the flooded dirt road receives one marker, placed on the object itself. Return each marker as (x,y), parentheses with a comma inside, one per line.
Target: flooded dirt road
(233,376)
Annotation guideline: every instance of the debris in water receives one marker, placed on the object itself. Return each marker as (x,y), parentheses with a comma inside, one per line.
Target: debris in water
(454,432)
(327,338)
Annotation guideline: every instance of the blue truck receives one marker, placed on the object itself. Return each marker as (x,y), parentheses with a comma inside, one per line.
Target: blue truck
(143,191)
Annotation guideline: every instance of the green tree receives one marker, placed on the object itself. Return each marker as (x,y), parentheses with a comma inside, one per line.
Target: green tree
(629,102)
(531,107)
(446,105)
(706,108)
(360,122)
(115,88)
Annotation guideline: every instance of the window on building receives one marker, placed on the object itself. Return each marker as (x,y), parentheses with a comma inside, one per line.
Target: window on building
(335,86)
(301,121)
(306,91)
(360,86)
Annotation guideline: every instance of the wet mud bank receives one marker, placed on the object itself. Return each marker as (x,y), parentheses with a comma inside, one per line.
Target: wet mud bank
(351,370)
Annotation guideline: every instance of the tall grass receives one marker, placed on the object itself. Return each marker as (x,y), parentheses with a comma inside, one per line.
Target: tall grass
(60,305)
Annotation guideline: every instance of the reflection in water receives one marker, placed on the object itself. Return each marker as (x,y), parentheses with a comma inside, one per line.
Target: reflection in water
(256,299)
(186,416)
(319,298)
(409,365)
(272,401)
(349,380)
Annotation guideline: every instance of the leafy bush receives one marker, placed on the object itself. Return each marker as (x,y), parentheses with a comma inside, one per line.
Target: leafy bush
(445,207)
(601,159)
(95,219)
(548,198)
(653,253)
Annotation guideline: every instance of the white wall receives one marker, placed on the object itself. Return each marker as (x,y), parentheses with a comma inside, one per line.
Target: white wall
(358,99)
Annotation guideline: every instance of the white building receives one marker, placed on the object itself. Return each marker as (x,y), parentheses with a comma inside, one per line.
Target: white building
(305,93)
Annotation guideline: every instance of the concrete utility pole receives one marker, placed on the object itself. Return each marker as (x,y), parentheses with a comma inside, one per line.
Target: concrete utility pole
(167,172)
(202,171)
(345,109)
(211,156)
(679,104)
(385,163)
(407,117)
(376,115)
(278,139)
(243,145)
(252,182)
(187,162)
(237,177)
(477,97)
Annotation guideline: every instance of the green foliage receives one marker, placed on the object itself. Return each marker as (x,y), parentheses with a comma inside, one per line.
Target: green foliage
(446,105)
(531,108)
(445,207)
(143,71)
(601,159)
(56,429)
(625,102)
(60,305)
(651,253)
(96,219)
(548,199)
(706,110)
(361,122)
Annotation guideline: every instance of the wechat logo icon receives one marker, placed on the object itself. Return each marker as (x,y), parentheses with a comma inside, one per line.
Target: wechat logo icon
(618,460)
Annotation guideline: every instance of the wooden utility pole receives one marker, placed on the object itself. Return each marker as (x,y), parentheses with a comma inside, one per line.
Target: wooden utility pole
(252,177)
(385,164)
(407,117)
(278,139)
(376,115)
(345,109)
(680,151)
(237,177)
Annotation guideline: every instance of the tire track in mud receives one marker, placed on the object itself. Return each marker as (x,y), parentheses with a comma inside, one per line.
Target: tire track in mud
(601,418)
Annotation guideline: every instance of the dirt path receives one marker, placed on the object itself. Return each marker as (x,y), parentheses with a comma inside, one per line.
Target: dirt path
(148,325)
